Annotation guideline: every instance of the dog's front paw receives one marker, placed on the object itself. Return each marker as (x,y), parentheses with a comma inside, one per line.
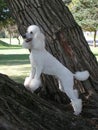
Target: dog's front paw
(34,84)
(27,82)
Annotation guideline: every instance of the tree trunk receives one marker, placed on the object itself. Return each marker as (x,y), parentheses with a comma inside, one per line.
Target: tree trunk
(22,110)
(65,40)
(94,42)
(18,40)
(10,37)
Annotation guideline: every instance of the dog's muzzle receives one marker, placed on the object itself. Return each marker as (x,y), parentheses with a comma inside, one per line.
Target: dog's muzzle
(24,36)
(26,39)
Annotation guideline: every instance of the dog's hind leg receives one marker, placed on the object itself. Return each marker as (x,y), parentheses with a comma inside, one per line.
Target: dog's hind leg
(60,86)
(67,85)
(62,89)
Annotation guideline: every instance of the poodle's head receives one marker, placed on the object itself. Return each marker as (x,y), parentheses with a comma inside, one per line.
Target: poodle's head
(34,38)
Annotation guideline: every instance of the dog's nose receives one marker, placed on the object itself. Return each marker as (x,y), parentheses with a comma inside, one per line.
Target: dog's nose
(24,36)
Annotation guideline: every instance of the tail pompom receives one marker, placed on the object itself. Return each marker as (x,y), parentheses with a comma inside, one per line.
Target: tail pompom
(81,75)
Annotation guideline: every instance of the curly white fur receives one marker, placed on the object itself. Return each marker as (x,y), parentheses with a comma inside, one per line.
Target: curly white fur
(43,62)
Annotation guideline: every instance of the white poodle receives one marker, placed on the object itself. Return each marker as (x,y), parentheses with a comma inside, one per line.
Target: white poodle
(43,62)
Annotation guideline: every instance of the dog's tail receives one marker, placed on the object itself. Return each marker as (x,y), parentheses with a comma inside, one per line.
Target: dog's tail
(81,75)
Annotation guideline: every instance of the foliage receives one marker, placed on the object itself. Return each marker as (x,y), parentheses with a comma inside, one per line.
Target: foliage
(67,1)
(5,15)
(4,11)
(86,13)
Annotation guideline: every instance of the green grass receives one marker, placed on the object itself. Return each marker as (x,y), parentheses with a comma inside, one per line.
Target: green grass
(95,51)
(14,61)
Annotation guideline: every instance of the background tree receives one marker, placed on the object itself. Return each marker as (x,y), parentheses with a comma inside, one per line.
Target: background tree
(6,20)
(67,1)
(5,15)
(65,40)
(86,14)
(4,11)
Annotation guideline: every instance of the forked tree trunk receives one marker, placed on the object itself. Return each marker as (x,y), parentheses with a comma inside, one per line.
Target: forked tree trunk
(65,40)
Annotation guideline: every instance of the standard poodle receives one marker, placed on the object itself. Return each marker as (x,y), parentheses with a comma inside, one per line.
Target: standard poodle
(43,62)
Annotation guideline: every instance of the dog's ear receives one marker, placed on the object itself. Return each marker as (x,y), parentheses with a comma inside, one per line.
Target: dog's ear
(40,36)
(39,41)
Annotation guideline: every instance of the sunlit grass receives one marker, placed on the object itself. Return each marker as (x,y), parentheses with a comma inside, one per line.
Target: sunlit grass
(14,61)
(16,72)
(95,51)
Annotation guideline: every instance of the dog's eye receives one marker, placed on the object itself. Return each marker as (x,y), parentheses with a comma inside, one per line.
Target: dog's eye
(31,32)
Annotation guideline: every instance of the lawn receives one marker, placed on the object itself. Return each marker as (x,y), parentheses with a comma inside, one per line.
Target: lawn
(14,61)
(95,51)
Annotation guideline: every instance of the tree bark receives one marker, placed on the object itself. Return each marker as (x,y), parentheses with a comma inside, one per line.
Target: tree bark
(22,110)
(65,40)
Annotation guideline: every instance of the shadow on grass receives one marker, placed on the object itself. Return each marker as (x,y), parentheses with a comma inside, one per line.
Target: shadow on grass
(14,59)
